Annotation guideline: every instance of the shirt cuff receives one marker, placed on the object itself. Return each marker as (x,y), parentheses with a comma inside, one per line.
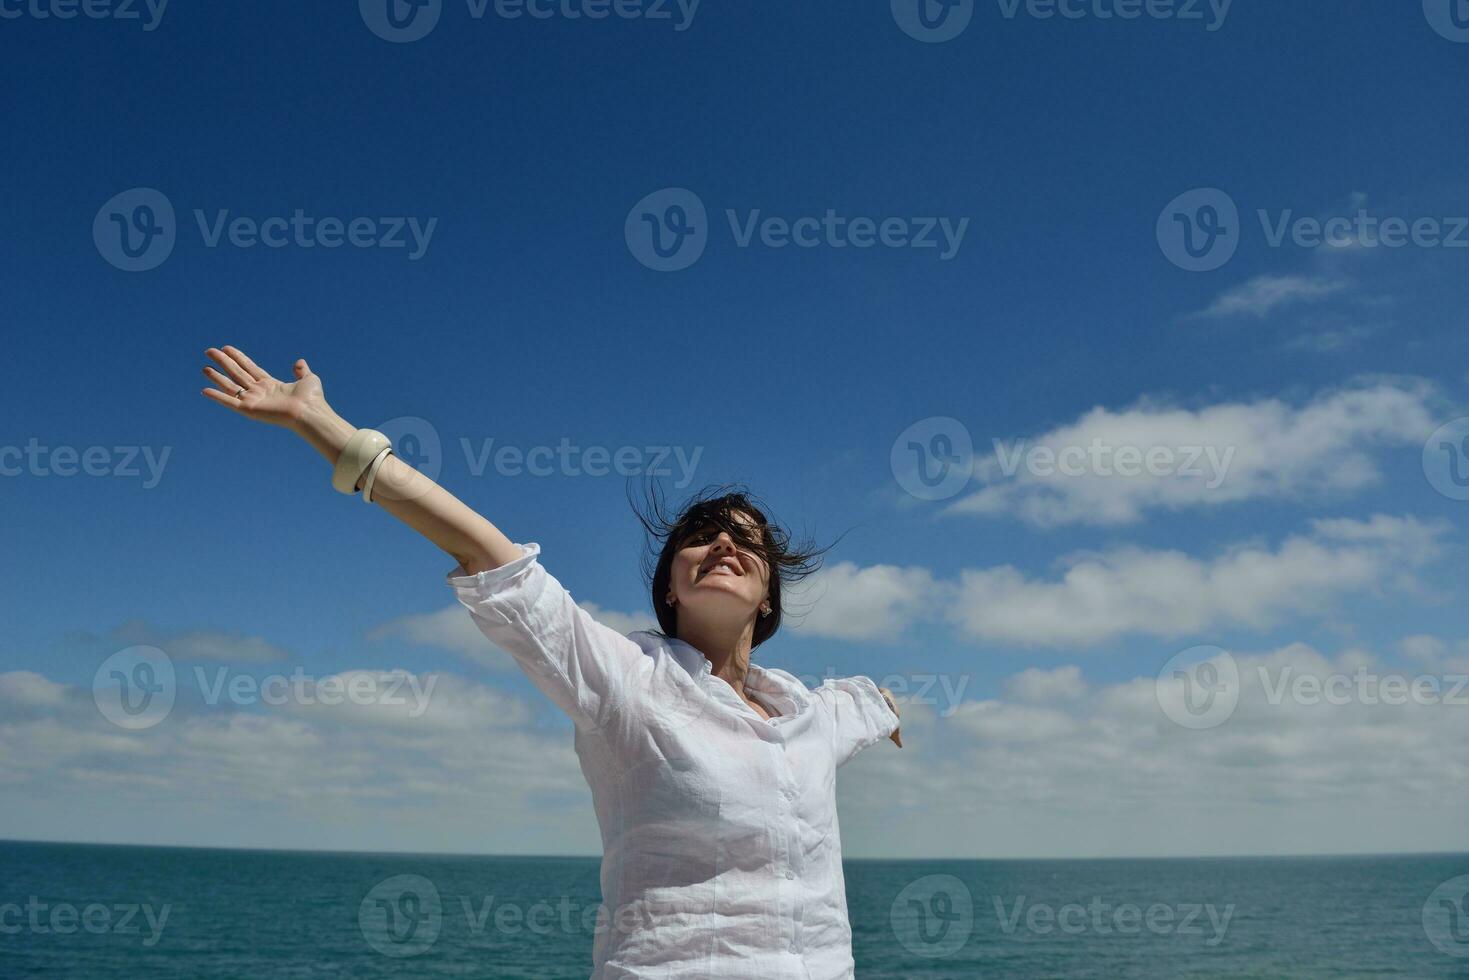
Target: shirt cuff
(490,579)
(887,719)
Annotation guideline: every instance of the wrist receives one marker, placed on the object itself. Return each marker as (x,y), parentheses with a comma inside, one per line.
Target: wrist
(319,425)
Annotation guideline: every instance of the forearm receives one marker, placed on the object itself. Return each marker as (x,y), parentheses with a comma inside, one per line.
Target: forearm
(415,499)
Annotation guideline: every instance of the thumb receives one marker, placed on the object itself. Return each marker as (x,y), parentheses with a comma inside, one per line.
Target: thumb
(302,368)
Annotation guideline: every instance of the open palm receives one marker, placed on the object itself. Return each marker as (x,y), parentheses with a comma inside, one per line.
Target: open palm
(250,390)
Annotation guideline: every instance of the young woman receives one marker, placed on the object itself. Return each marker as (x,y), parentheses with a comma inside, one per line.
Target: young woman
(713,778)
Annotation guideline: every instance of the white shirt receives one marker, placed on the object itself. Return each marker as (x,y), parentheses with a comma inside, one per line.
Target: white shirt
(721,850)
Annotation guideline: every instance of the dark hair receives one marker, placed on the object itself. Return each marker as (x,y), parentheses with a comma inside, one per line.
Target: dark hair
(716,507)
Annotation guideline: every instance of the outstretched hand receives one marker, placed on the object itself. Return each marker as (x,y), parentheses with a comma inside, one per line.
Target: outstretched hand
(887,696)
(249,390)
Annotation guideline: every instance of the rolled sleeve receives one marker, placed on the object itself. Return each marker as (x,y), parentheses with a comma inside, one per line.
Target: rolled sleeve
(860,716)
(583,666)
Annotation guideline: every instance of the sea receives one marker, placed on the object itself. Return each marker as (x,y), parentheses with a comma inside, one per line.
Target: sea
(84,911)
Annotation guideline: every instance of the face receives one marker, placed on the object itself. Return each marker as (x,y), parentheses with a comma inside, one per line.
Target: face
(710,568)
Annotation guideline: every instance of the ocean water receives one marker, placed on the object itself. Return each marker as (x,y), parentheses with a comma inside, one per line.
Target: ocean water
(83,911)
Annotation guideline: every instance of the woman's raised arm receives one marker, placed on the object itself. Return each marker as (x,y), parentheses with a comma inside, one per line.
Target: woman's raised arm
(407,494)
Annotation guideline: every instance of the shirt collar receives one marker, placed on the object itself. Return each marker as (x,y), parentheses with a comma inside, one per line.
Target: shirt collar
(765,680)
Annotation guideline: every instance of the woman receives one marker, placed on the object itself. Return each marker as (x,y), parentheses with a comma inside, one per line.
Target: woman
(713,778)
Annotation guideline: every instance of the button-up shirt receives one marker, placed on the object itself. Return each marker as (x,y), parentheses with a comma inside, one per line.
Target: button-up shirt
(721,850)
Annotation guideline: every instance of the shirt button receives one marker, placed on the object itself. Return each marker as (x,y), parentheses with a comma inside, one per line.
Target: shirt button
(790,875)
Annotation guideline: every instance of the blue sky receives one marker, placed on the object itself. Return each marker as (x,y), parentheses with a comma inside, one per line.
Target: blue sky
(526,145)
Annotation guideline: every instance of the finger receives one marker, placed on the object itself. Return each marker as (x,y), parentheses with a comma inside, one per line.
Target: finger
(214,394)
(256,372)
(897,738)
(302,368)
(224,383)
(231,367)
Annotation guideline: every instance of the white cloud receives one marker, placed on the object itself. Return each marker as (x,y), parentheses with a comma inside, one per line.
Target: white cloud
(1168,593)
(1265,294)
(1182,458)
(1109,774)
(216,645)
(470,773)
(1035,685)
(846,601)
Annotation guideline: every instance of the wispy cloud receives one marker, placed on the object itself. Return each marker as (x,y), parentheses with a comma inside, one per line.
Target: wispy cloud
(1220,454)
(1062,766)
(1263,295)
(1137,591)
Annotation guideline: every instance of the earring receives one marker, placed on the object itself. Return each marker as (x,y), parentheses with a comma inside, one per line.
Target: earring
(669,600)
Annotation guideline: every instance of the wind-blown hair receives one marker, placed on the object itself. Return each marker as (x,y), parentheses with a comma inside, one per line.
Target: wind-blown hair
(716,507)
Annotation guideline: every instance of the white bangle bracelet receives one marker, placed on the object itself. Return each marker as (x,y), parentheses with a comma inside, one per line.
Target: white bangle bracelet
(376,465)
(361,449)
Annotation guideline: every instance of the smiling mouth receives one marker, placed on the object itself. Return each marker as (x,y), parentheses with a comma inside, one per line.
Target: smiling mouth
(723,566)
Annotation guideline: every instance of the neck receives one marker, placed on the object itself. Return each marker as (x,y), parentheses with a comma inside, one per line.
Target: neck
(726,646)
